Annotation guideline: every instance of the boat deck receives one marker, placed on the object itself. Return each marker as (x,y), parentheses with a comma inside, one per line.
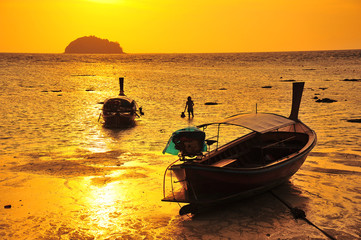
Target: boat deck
(256,150)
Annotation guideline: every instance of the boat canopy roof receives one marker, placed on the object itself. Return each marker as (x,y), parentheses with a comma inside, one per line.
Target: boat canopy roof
(119,98)
(258,122)
(120,101)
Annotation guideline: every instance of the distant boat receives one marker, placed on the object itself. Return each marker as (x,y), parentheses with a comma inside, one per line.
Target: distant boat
(120,111)
(272,151)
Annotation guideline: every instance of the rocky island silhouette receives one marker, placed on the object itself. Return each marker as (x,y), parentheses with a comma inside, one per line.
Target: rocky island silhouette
(92,44)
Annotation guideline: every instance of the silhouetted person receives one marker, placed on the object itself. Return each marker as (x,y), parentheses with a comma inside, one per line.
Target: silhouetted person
(189,107)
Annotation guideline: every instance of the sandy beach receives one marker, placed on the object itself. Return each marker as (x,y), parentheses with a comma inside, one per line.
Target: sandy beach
(64,176)
(61,200)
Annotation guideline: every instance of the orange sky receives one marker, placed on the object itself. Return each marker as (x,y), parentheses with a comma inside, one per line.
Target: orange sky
(172,26)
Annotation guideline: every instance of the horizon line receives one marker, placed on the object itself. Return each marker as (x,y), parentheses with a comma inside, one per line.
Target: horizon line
(276,51)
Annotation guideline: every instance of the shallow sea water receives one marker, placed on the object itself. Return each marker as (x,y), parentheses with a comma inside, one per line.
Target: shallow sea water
(67,177)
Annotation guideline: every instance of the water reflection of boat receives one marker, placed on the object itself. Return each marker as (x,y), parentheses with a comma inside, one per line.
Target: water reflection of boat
(120,111)
(269,154)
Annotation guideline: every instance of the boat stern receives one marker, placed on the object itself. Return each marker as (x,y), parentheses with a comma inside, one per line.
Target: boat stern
(175,185)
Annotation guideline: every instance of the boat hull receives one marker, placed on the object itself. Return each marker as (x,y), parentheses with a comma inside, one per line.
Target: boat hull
(206,184)
(208,181)
(119,120)
(119,112)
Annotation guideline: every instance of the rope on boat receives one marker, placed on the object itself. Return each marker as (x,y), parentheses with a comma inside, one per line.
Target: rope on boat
(300,214)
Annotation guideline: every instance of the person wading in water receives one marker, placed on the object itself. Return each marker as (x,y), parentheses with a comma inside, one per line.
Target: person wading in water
(189,106)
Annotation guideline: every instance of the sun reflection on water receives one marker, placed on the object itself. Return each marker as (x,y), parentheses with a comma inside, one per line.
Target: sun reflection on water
(104,202)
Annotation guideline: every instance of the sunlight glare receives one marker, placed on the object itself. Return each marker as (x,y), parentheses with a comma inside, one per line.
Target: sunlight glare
(103,203)
(106,1)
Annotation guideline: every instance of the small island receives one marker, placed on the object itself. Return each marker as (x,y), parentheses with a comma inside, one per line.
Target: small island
(92,44)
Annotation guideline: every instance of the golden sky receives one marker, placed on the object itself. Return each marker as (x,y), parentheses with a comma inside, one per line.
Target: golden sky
(177,26)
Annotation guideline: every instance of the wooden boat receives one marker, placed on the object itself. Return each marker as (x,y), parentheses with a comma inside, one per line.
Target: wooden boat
(120,111)
(271,151)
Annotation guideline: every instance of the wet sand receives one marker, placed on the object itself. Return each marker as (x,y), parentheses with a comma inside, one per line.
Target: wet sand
(106,198)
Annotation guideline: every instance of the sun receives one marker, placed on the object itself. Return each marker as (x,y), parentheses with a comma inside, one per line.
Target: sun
(106,1)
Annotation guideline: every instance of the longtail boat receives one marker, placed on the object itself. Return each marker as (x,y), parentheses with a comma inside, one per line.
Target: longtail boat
(120,111)
(271,150)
